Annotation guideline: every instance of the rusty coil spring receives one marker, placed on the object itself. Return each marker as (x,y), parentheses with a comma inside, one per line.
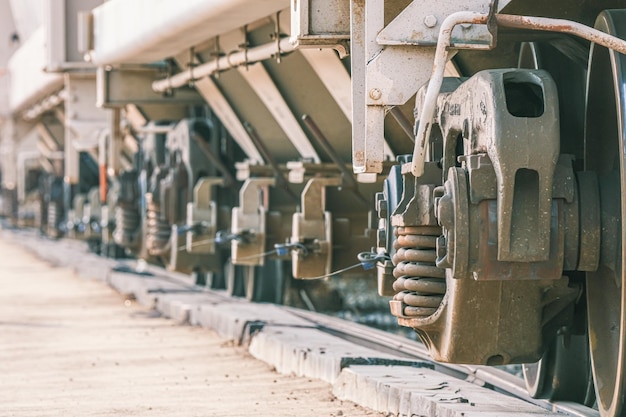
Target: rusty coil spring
(158,230)
(126,226)
(420,284)
(54,214)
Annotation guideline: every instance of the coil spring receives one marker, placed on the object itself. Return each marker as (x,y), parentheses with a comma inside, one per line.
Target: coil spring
(126,226)
(158,230)
(420,284)
(53,214)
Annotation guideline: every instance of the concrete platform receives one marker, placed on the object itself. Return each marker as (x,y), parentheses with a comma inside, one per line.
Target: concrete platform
(382,382)
(75,347)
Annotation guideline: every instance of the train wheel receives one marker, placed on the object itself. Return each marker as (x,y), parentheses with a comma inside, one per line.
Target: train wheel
(237,277)
(563,372)
(267,284)
(257,283)
(605,154)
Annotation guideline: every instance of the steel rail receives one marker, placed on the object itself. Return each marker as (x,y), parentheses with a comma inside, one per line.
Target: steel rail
(379,340)
(480,375)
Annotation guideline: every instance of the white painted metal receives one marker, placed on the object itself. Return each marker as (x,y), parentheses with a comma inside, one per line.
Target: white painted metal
(321,24)
(61,27)
(149,30)
(27,15)
(374,115)
(84,122)
(357,58)
(425,17)
(214,97)
(7,29)
(387,72)
(46,104)
(232,60)
(434,85)
(333,74)
(264,87)
(336,79)
(29,84)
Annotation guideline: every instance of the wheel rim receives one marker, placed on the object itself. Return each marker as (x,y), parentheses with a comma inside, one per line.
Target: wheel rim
(534,377)
(604,154)
(563,372)
(235,280)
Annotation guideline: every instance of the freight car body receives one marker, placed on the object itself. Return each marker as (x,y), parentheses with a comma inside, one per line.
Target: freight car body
(215,137)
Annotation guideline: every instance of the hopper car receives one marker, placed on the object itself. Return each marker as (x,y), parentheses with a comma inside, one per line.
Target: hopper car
(469,155)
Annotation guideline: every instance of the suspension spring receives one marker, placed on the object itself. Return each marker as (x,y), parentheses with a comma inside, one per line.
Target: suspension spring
(126,226)
(127,217)
(419,283)
(158,230)
(53,214)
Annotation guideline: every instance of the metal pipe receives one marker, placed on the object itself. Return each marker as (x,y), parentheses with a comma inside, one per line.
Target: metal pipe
(404,123)
(562,26)
(157,130)
(230,60)
(511,21)
(330,151)
(434,85)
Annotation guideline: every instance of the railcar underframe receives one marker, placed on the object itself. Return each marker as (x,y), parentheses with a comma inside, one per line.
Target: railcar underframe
(471,153)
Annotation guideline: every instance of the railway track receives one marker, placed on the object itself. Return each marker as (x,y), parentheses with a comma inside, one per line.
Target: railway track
(356,359)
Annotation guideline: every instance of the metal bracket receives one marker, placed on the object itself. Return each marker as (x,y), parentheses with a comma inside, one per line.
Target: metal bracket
(249,217)
(312,227)
(321,24)
(424,18)
(388,68)
(513,115)
(117,87)
(202,210)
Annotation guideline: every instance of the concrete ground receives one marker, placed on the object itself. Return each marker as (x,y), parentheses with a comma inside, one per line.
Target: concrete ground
(72,347)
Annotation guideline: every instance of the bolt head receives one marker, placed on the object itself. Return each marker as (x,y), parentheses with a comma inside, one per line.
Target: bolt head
(375,94)
(381,238)
(430,21)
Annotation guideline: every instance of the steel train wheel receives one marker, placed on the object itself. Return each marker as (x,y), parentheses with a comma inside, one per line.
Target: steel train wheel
(605,139)
(257,283)
(564,372)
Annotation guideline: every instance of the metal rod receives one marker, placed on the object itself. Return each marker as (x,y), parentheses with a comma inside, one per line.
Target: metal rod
(562,26)
(230,60)
(280,177)
(157,130)
(229,179)
(321,140)
(511,21)
(404,123)
(434,85)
